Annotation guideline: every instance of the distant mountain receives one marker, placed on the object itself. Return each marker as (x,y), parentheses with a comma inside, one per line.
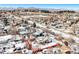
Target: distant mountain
(7,8)
(33,9)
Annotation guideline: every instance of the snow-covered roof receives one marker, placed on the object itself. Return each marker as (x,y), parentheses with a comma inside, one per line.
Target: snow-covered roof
(5,38)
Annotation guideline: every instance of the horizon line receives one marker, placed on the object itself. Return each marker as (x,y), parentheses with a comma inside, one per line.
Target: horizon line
(44,6)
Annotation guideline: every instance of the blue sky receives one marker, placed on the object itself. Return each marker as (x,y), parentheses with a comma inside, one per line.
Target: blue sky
(55,6)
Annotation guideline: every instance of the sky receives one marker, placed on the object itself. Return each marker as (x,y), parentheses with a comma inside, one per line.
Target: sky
(55,6)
